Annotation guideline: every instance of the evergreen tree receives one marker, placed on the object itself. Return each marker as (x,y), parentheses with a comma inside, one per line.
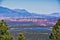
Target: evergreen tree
(21,36)
(55,31)
(4,33)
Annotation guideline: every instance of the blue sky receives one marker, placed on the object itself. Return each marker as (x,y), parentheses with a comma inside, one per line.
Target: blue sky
(35,6)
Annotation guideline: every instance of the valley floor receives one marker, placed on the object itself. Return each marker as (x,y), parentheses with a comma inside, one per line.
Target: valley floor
(31,34)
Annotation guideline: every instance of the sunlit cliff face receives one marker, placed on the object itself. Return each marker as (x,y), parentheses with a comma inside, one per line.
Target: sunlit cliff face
(41,22)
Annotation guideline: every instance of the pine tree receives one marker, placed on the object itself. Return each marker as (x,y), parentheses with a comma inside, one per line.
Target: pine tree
(4,33)
(21,36)
(55,31)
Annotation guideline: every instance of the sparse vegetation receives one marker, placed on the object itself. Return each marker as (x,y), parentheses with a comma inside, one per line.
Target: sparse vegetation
(21,36)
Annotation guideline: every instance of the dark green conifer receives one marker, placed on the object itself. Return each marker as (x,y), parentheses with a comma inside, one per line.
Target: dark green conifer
(4,32)
(21,36)
(55,31)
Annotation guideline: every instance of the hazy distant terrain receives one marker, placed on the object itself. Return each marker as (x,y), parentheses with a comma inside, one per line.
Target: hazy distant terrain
(21,17)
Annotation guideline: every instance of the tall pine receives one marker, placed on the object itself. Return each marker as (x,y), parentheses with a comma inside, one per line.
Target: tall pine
(4,33)
(55,35)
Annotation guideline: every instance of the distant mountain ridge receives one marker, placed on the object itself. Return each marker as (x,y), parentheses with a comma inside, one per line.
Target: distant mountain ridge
(21,12)
(22,15)
(15,13)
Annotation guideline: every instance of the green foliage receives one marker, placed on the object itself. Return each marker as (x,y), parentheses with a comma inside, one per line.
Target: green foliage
(4,33)
(21,36)
(56,31)
(5,37)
